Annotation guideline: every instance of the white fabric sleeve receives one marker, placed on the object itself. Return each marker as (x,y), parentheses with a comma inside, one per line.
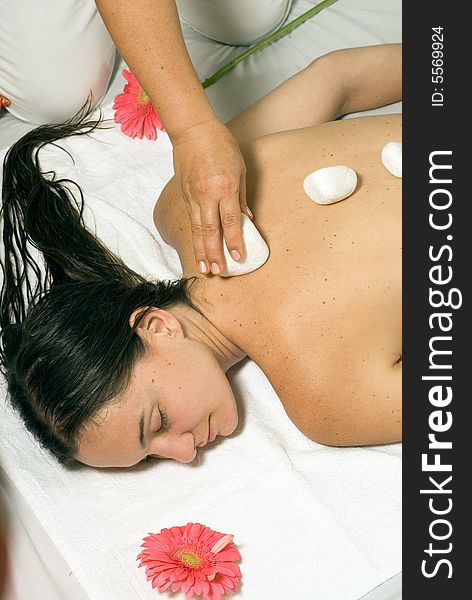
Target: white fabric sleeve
(234,22)
(53,53)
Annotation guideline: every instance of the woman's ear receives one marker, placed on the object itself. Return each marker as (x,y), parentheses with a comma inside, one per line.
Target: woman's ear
(150,321)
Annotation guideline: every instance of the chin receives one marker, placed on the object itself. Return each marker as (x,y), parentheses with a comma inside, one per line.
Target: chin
(233,428)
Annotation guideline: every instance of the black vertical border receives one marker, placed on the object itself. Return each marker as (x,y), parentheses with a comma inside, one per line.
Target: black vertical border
(428,128)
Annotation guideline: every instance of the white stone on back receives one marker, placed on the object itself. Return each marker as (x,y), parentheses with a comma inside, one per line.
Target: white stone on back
(392,158)
(330,184)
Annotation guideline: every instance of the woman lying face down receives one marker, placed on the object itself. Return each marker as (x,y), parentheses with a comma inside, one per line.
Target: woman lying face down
(107,368)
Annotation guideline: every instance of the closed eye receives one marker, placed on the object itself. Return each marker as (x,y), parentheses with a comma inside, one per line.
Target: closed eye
(164,422)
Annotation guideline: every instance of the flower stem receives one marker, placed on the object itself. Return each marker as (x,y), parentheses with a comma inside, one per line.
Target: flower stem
(266,41)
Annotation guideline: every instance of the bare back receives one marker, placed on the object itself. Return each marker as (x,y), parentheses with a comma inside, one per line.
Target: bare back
(322,318)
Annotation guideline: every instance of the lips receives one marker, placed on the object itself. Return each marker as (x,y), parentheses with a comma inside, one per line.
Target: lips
(211,435)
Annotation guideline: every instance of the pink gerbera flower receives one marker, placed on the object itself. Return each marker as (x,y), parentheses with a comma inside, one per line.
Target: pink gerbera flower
(134,110)
(192,558)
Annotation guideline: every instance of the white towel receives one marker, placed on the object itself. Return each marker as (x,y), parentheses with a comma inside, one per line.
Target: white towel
(310,521)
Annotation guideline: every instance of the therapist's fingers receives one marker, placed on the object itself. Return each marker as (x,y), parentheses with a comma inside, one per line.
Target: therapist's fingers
(243,196)
(230,212)
(211,229)
(4,101)
(198,241)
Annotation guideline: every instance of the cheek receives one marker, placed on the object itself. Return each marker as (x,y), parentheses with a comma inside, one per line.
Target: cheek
(215,391)
(195,395)
(192,385)
(186,377)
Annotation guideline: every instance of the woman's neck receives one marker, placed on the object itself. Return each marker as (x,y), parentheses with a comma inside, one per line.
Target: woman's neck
(197,327)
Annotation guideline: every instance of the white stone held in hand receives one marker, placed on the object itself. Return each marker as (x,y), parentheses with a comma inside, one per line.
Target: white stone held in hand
(256,251)
(392,158)
(330,184)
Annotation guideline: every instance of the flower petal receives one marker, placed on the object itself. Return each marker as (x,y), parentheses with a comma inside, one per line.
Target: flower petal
(228,554)
(228,569)
(222,542)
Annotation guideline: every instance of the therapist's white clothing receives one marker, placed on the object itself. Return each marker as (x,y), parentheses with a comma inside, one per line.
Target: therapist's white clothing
(234,22)
(53,53)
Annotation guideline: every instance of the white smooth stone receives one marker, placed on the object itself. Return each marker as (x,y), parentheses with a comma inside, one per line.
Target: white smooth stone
(256,251)
(392,158)
(330,184)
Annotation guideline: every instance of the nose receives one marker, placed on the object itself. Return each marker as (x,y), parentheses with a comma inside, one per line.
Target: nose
(177,447)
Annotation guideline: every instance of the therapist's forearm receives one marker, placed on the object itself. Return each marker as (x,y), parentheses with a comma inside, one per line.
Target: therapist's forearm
(147,34)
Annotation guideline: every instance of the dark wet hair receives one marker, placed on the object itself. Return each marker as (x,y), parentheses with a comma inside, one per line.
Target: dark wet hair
(66,344)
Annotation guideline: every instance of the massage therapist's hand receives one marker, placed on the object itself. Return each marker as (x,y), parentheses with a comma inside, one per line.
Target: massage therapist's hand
(211,174)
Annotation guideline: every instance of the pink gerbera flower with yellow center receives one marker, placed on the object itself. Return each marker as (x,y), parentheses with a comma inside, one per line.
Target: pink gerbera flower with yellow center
(192,558)
(134,110)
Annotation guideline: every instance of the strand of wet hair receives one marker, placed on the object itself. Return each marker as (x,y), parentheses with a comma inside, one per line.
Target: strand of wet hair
(40,211)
